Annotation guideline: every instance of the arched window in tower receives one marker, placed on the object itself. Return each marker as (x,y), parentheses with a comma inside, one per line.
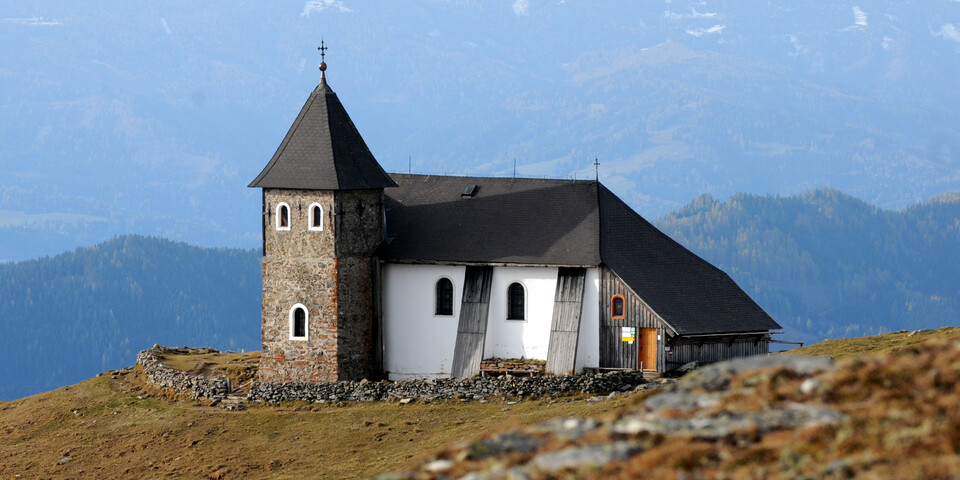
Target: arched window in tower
(444,297)
(283,216)
(516,302)
(616,307)
(316,218)
(299,322)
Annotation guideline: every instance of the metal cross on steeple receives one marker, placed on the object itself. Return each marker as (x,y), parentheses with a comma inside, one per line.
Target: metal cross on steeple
(323,63)
(596,167)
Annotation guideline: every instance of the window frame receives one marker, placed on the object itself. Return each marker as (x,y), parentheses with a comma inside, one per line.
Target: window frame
(613,307)
(509,302)
(313,225)
(278,224)
(306,322)
(436,298)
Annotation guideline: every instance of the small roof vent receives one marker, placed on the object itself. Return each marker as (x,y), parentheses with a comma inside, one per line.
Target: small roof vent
(470,191)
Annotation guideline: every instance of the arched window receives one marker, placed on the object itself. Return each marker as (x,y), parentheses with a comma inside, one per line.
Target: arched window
(616,307)
(316,218)
(283,216)
(299,322)
(444,297)
(515,302)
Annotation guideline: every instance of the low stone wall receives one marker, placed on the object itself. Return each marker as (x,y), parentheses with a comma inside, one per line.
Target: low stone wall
(472,388)
(197,386)
(163,376)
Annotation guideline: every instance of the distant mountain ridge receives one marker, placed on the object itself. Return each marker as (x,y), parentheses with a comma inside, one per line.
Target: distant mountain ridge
(69,317)
(827,265)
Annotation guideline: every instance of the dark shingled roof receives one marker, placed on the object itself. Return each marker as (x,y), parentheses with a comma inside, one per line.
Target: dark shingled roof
(527,221)
(323,151)
(564,223)
(689,293)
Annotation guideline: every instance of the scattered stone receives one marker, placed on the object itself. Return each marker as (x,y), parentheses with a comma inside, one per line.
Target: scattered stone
(511,442)
(438,465)
(588,456)
(724,424)
(571,428)
(64,459)
(683,401)
(404,401)
(810,385)
(716,377)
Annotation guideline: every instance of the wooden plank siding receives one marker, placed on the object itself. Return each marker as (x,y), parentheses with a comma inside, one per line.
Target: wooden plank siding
(715,349)
(472,328)
(615,353)
(565,325)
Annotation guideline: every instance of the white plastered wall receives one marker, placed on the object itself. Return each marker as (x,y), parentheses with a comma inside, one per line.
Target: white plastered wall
(417,343)
(526,338)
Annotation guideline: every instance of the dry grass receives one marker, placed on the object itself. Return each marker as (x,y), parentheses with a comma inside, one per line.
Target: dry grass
(890,342)
(116,426)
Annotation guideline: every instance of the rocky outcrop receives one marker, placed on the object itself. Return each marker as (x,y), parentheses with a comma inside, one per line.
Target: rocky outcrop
(183,383)
(725,403)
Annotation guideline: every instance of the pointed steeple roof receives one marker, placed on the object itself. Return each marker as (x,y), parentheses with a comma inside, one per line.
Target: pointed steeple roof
(323,151)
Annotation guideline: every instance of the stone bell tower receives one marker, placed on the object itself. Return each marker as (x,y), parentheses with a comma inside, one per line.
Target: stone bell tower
(322,224)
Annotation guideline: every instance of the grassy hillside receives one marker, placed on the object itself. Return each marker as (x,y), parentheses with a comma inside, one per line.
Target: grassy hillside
(881,344)
(827,265)
(66,318)
(116,426)
(900,398)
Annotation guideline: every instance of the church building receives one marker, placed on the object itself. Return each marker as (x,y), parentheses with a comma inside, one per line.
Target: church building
(374,275)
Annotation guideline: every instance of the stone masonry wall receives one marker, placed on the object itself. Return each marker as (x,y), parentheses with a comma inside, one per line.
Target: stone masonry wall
(360,232)
(299,266)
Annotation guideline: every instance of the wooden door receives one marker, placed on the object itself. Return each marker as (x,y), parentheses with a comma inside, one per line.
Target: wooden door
(647,344)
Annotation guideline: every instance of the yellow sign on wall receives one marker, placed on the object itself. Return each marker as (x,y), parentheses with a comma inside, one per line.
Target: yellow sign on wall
(628,334)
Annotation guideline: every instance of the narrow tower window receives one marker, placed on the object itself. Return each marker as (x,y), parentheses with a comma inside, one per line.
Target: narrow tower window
(299,318)
(283,216)
(316,218)
(444,300)
(515,302)
(616,307)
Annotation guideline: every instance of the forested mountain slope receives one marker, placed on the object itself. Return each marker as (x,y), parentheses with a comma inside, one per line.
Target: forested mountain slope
(79,313)
(827,265)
